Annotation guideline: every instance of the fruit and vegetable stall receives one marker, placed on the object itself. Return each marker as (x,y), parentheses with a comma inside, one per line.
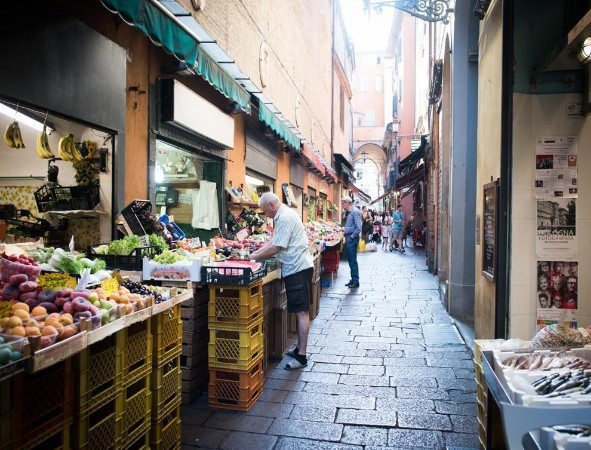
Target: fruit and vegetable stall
(128,330)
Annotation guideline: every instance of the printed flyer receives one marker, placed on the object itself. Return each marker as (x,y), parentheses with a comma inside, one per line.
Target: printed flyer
(557,292)
(556,232)
(556,167)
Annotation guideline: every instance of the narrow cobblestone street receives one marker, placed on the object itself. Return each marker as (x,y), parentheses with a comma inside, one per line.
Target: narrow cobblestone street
(387,370)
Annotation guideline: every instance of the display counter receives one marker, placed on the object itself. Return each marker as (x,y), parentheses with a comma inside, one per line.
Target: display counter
(521,424)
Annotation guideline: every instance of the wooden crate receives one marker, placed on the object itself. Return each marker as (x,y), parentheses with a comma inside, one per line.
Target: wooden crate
(268,297)
(279,342)
(194,312)
(192,325)
(196,360)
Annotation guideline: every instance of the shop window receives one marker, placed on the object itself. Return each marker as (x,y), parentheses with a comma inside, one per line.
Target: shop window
(178,177)
(257,185)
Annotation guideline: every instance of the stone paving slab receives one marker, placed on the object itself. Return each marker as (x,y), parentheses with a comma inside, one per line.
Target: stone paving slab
(372,381)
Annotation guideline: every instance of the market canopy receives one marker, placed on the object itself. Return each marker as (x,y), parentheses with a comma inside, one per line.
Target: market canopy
(180,39)
(278,127)
(407,163)
(313,159)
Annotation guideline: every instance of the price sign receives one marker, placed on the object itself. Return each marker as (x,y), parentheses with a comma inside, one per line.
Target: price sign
(56,281)
(110,286)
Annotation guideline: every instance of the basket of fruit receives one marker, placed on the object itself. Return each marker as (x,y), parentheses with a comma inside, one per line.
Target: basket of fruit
(18,264)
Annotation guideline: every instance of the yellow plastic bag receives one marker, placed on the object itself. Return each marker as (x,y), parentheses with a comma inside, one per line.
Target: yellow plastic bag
(361,246)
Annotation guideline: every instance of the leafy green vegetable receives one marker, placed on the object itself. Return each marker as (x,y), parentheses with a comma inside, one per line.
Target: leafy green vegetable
(124,246)
(158,241)
(69,264)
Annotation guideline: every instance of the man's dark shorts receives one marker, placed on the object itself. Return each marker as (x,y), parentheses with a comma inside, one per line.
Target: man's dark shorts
(297,288)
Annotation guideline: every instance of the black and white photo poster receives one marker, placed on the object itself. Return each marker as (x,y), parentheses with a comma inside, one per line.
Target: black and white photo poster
(556,167)
(556,231)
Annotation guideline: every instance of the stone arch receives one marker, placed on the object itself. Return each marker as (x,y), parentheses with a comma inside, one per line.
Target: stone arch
(375,154)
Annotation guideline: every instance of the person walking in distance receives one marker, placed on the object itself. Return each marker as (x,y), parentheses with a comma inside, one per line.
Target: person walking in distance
(290,244)
(352,232)
(398,227)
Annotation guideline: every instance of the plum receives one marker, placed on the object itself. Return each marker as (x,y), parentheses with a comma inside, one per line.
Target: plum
(66,292)
(27,286)
(50,307)
(83,294)
(31,303)
(46,296)
(28,295)
(80,304)
(67,307)
(11,292)
(60,301)
(93,310)
(18,279)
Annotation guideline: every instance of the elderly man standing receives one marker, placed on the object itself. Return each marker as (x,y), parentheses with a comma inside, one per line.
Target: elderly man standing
(290,244)
(352,231)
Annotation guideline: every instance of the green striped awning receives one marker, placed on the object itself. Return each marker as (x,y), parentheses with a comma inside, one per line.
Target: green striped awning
(278,127)
(164,30)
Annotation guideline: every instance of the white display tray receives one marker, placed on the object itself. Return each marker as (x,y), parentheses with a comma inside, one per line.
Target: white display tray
(181,271)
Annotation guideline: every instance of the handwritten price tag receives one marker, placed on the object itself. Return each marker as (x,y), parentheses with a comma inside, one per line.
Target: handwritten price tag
(56,281)
(110,286)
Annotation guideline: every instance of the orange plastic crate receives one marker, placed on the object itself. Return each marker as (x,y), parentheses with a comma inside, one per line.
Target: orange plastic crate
(235,348)
(235,305)
(234,386)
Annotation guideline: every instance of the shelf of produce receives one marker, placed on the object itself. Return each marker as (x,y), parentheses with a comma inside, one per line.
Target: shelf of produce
(138,316)
(175,300)
(106,330)
(59,351)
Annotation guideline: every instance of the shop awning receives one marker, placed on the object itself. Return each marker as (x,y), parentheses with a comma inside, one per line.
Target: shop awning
(179,37)
(385,194)
(410,178)
(313,159)
(359,192)
(409,161)
(278,127)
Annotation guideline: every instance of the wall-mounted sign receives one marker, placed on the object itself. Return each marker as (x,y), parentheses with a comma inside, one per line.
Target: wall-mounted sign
(556,167)
(489,231)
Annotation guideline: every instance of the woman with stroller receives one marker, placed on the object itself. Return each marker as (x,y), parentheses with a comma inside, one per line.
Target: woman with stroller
(386,230)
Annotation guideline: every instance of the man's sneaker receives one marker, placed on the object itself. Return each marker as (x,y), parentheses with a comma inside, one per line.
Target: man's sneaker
(353,285)
(295,364)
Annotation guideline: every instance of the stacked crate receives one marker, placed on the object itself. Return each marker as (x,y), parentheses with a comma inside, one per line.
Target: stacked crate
(195,338)
(165,379)
(98,382)
(330,261)
(235,349)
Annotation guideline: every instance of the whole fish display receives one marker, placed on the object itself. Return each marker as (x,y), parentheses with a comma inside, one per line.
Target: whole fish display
(547,361)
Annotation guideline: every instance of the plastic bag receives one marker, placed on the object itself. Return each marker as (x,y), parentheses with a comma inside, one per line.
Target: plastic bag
(361,246)
(371,247)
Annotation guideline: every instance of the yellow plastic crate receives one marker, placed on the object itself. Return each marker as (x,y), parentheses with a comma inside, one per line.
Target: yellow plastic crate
(165,433)
(482,436)
(135,406)
(167,335)
(60,440)
(165,384)
(137,359)
(98,374)
(235,305)
(51,392)
(101,429)
(235,347)
(141,443)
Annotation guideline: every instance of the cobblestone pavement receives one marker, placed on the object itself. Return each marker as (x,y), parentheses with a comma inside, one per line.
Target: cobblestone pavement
(372,381)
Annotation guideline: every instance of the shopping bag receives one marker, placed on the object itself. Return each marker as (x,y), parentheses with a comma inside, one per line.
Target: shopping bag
(371,247)
(361,246)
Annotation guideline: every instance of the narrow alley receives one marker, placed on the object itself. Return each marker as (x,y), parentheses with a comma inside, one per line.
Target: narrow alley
(387,370)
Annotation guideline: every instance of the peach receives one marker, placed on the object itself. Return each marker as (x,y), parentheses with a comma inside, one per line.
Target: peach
(68,332)
(38,311)
(51,320)
(33,331)
(48,330)
(66,319)
(18,331)
(24,315)
(20,305)
(14,322)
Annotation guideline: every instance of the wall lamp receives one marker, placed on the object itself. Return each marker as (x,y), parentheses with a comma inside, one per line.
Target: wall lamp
(584,54)
(24,116)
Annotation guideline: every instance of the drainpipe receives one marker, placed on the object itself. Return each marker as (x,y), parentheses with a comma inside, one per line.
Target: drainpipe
(503,290)
(332,52)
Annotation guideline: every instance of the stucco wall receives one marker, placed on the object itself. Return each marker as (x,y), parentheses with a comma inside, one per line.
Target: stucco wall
(489,148)
(536,116)
(298,35)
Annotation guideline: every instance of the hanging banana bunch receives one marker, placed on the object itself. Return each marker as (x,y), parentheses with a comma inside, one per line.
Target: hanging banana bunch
(66,147)
(13,136)
(43,149)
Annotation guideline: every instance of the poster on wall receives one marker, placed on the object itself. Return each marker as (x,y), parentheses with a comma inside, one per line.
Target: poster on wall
(556,231)
(556,167)
(557,293)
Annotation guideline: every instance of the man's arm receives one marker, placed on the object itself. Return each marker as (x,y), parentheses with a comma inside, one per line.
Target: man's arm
(358,223)
(268,251)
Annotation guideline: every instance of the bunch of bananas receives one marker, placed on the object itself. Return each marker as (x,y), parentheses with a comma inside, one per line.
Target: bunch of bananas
(43,149)
(13,136)
(70,151)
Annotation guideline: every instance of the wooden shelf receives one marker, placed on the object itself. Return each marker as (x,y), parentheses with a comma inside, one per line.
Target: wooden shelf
(244,205)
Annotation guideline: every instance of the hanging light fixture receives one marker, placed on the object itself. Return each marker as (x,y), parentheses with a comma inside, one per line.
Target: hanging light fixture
(584,54)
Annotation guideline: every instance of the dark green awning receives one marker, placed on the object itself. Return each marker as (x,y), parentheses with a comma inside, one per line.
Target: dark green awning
(407,163)
(278,127)
(164,31)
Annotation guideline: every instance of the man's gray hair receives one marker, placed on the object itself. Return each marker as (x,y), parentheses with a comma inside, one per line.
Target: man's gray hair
(268,198)
(347,199)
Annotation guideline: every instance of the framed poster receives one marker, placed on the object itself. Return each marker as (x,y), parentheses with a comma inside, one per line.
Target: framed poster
(489,231)
(556,229)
